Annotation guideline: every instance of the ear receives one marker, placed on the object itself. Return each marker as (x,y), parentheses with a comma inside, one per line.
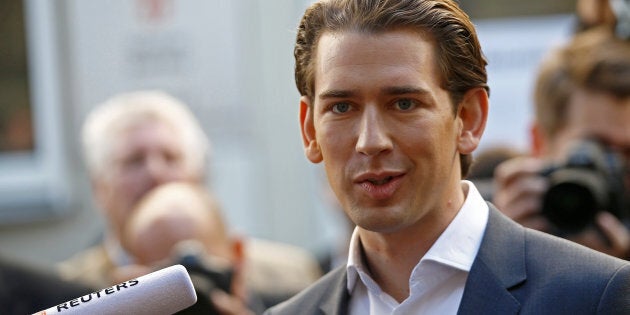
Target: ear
(238,250)
(538,141)
(239,288)
(473,114)
(307,127)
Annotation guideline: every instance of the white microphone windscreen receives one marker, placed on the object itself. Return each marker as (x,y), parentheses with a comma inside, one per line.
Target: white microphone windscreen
(165,291)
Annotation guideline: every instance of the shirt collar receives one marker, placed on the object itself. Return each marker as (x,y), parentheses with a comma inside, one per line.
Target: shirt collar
(456,247)
(355,261)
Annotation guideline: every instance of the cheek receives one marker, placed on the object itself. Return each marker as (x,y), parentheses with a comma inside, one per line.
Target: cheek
(130,185)
(336,141)
(125,193)
(337,159)
(337,153)
(418,140)
(184,172)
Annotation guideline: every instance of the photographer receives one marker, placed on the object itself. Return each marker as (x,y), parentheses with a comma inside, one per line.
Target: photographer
(582,125)
(181,223)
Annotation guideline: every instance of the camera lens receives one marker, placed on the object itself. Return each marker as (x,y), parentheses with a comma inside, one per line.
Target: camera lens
(570,206)
(588,181)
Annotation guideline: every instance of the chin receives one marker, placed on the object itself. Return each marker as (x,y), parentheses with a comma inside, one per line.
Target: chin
(380,223)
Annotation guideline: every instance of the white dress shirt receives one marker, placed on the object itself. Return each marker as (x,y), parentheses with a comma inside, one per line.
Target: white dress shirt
(436,285)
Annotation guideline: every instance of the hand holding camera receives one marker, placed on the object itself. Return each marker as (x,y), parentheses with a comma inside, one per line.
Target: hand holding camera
(583,198)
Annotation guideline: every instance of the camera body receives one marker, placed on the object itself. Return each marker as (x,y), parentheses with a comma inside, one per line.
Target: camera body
(591,179)
(207,273)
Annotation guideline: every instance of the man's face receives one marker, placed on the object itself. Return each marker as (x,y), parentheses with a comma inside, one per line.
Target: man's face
(143,156)
(384,129)
(599,115)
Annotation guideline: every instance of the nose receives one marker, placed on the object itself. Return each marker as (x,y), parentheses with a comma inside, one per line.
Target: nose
(160,171)
(373,133)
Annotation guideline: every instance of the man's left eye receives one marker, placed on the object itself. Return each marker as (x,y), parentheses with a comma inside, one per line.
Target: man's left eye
(405,104)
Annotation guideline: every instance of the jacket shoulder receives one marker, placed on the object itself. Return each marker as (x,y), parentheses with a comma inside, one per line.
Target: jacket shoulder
(548,274)
(328,292)
(90,267)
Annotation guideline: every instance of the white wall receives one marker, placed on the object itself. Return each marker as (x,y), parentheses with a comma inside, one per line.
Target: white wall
(514,47)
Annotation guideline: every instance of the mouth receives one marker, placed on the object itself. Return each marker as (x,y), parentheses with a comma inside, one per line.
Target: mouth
(379,182)
(380,186)
(378,178)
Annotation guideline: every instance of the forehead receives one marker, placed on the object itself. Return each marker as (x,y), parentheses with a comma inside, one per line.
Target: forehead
(394,56)
(600,114)
(146,126)
(593,114)
(145,133)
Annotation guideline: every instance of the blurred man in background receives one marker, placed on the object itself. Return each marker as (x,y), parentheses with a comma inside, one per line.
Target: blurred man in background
(131,144)
(582,125)
(135,142)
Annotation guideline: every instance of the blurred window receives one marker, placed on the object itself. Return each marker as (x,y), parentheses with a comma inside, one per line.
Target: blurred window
(16,131)
(34,183)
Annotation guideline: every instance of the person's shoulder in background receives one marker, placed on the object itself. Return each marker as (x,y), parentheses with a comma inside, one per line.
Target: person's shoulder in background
(91,267)
(277,270)
(26,289)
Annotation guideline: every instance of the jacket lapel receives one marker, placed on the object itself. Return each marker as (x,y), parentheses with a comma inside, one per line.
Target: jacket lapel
(335,301)
(498,267)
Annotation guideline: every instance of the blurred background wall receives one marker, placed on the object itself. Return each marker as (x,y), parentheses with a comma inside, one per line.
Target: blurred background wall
(232,63)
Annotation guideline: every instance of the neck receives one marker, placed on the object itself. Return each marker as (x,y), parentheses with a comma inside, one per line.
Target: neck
(391,257)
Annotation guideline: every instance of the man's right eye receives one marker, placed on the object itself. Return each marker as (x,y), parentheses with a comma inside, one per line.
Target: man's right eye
(340,108)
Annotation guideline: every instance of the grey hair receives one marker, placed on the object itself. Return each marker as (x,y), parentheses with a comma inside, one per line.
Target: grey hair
(99,130)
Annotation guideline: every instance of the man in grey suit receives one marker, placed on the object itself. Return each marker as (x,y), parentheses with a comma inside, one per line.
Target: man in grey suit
(394,102)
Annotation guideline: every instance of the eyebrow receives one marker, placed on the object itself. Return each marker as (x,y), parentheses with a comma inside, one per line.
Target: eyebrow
(337,94)
(389,90)
(399,90)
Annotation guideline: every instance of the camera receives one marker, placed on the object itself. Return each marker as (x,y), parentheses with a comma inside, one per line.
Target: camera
(207,273)
(591,179)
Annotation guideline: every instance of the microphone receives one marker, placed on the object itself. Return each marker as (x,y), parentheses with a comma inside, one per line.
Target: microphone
(165,291)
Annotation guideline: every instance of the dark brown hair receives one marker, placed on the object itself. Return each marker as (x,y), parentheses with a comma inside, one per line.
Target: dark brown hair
(595,60)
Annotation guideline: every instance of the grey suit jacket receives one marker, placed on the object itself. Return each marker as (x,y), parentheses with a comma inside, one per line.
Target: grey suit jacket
(517,271)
